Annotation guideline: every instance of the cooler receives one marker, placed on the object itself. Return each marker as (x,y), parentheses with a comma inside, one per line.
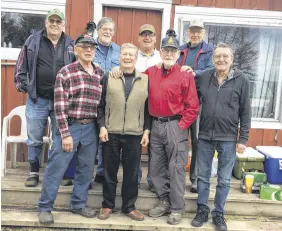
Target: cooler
(273,163)
(251,159)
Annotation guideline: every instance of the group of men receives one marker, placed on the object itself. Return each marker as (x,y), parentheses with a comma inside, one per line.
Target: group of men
(129,98)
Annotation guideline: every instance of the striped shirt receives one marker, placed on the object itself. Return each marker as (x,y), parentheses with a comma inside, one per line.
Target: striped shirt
(77,94)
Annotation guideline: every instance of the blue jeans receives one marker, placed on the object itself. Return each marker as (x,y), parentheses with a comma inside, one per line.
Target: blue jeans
(226,160)
(85,146)
(36,117)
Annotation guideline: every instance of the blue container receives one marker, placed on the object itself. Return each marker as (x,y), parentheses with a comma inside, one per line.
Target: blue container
(273,163)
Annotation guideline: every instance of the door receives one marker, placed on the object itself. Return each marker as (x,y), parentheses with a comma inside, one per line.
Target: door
(128,22)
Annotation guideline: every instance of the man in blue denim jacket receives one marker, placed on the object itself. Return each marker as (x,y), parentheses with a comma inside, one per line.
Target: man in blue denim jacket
(196,55)
(107,56)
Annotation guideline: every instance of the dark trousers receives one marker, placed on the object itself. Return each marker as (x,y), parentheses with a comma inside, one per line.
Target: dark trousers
(131,154)
(194,140)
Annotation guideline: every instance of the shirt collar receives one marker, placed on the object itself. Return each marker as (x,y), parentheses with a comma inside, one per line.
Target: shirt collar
(141,53)
(229,76)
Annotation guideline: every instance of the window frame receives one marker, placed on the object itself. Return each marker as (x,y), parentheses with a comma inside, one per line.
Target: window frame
(236,17)
(27,7)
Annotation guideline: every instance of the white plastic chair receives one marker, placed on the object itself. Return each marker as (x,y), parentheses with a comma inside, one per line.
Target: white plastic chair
(14,140)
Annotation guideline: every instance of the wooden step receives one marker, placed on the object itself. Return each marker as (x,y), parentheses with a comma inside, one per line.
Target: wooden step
(14,193)
(117,221)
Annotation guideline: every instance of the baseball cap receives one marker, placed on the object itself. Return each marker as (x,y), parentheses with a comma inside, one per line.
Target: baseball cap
(170,40)
(85,38)
(57,12)
(147,27)
(197,23)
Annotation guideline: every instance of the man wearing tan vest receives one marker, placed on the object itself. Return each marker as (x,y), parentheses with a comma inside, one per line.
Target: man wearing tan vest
(124,123)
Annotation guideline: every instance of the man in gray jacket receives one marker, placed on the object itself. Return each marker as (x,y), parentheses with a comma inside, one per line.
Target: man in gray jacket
(225,97)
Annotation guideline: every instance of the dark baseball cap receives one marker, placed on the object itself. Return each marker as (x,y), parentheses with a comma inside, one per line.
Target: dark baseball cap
(85,38)
(170,40)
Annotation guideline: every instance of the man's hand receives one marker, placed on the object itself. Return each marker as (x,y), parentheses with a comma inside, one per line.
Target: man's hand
(67,144)
(103,134)
(116,72)
(145,138)
(240,148)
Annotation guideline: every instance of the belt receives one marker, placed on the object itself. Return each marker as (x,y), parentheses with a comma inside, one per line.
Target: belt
(80,121)
(167,119)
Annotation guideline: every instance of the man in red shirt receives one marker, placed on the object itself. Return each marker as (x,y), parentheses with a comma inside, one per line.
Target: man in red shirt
(173,104)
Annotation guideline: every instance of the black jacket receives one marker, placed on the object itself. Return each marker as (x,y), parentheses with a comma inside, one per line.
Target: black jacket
(25,71)
(224,107)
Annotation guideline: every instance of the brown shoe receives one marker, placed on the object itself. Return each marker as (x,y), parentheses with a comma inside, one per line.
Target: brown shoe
(104,213)
(136,215)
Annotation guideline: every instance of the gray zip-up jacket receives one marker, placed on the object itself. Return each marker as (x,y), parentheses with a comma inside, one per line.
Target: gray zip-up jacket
(224,107)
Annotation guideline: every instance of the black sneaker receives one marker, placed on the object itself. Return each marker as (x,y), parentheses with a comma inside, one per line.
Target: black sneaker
(200,218)
(32,181)
(99,179)
(219,222)
(152,188)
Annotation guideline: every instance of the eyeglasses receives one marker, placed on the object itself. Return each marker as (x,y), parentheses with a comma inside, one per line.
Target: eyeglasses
(87,46)
(171,50)
(105,29)
(144,35)
(223,56)
(57,21)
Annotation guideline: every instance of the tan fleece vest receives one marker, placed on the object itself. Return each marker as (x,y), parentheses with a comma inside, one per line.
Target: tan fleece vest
(126,117)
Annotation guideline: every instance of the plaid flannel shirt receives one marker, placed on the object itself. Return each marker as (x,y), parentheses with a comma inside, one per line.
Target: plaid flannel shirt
(77,94)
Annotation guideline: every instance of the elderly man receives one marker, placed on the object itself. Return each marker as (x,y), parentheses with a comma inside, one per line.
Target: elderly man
(76,98)
(174,105)
(148,56)
(124,126)
(107,56)
(225,98)
(195,56)
(43,55)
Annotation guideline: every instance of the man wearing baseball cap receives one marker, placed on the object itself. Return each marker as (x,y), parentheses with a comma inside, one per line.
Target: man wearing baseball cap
(44,53)
(77,95)
(195,56)
(147,56)
(173,104)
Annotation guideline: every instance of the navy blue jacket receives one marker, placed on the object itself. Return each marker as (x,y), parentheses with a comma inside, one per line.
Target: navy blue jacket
(25,71)
(203,60)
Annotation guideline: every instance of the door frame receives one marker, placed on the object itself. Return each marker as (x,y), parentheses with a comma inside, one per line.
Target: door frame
(161,5)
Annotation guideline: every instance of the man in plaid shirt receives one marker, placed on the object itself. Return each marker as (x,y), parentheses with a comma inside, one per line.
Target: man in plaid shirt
(77,95)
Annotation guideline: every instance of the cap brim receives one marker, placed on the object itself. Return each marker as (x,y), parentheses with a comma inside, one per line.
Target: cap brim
(171,46)
(56,15)
(87,41)
(201,27)
(147,30)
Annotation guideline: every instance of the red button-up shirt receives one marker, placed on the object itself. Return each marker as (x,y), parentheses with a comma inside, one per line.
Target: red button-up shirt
(173,94)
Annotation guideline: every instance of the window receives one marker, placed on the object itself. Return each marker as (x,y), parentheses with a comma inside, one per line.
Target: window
(258,52)
(21,18)
(16,27)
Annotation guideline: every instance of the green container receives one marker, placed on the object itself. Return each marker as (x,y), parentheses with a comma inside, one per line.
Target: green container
(260,178)
(251,159)
(270,192)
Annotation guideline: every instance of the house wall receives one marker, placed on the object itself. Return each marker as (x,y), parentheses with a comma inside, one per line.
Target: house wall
(273,5)
(78,13)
